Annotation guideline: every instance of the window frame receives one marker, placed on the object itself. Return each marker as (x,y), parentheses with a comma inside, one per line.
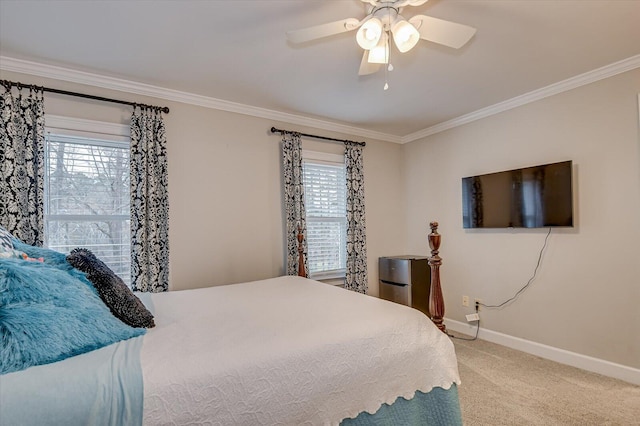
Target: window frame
(331,159)
(111,135)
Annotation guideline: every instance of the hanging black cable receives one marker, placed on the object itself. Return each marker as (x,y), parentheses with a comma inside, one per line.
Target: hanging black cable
(535,273)
(468,339)
(274,130)
(8,84)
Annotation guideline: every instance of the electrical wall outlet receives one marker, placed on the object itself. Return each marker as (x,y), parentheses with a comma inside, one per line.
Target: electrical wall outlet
(465,300)
(480,303)
(473,317)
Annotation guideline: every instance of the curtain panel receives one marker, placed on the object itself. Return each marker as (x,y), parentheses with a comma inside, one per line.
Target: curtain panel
(293,200)
(356,275)
(22,164)
(149,202)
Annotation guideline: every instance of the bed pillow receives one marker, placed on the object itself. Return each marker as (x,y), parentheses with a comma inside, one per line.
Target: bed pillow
(6,240)
(50,257)
(7,253)
(48,314)
(112,290)
(6,245)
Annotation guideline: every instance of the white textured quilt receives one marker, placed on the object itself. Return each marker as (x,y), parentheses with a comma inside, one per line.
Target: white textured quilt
(285,351)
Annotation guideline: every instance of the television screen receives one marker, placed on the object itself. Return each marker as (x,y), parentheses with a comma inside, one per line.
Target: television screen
(532,197)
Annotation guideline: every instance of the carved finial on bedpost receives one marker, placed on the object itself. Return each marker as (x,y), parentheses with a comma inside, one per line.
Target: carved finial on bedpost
(301,270)
(436,301)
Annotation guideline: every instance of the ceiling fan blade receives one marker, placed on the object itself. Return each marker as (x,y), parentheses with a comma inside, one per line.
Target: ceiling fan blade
(402,3)
(366,67)
(417,2)
(443,32)
(322,30)
(396,3)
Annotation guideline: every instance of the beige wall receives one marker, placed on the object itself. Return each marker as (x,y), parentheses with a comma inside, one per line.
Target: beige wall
(226,224)
(586,295)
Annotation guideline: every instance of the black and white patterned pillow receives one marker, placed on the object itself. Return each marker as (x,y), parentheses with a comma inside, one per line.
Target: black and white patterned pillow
(6,240)
(7,250)
(123,304)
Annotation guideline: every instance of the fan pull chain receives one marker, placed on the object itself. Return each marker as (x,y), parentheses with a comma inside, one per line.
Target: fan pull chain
(388,68)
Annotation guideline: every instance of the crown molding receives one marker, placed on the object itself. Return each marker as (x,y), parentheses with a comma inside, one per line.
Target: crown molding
(553,89)
(112,83)
(91,79)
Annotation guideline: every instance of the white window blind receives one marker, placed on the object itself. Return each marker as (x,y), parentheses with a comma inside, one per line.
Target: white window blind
(325,203)
(87,197)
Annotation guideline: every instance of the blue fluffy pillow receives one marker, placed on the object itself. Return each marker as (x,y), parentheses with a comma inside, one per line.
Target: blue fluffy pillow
(48,314)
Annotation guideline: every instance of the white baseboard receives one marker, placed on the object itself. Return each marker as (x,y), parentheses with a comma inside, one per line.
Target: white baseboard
(595,365)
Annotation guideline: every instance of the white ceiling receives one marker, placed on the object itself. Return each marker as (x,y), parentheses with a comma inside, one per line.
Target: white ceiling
(237,51)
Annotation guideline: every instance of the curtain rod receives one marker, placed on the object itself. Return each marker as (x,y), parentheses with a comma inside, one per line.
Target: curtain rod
(274,130)
(82,95)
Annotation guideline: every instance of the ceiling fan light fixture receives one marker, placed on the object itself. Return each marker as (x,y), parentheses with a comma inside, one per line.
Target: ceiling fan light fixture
(379,54)
(405,35)
(382,22)
(369,33)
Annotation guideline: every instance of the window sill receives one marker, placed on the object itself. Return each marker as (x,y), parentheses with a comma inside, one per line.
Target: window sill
(331,274)
(333,277)
(338,282)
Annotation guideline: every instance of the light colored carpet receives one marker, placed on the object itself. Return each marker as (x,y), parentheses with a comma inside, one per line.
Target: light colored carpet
(502,386)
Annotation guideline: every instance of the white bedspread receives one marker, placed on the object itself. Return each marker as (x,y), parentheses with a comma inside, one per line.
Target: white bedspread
(285,351)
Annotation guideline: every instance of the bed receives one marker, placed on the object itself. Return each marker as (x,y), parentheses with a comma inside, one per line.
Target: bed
(286,351)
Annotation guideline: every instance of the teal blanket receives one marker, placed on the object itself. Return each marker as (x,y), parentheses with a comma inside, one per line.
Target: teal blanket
(439,407)
(102,387)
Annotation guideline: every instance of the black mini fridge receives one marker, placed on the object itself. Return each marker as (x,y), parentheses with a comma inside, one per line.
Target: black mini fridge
(405,280)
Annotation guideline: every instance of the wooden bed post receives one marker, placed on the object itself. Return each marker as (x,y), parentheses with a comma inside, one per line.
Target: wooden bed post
(301,270)
(436,301)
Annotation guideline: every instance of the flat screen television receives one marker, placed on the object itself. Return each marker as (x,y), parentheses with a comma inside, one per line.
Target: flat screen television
(531,197)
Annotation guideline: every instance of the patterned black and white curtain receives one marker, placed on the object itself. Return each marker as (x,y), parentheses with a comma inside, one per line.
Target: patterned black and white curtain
(356,276)
(22,163)
(149,202)
(293,200)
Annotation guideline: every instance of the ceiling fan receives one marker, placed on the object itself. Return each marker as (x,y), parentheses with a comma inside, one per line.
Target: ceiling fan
(384,22)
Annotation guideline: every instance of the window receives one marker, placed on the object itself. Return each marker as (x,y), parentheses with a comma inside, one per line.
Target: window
(87,191)
(325,202)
